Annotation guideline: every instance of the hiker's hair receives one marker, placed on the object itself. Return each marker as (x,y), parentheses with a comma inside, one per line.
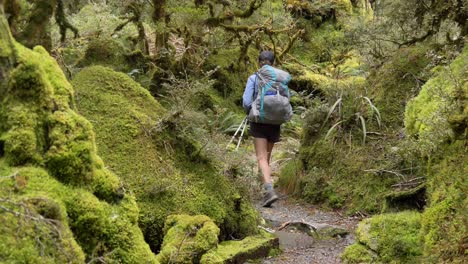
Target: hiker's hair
(266,58)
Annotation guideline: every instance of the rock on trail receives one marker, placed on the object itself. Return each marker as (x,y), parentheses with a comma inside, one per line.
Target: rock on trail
(306,234)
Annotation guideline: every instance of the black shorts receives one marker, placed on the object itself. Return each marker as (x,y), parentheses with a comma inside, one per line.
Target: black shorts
(270,132)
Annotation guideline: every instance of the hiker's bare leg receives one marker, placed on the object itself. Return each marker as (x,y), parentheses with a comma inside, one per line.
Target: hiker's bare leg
(270,149)
(261,150)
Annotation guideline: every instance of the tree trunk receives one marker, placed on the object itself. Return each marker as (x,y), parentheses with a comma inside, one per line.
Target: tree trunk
(37,31)
(159,17)
(159,10)
(7,56)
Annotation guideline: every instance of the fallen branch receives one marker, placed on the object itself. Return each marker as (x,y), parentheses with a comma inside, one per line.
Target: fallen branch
(410,183)
(380,171)
(300,224)
(10,176)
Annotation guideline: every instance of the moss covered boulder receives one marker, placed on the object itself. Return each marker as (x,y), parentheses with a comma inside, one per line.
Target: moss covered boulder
(253,247)
(187,238)
(58,203)
(111,53)
(156,157)
(387,238)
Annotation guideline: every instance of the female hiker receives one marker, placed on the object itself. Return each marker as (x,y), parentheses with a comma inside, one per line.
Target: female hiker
(266,113)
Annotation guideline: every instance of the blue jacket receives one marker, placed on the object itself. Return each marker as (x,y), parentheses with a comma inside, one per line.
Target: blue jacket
(249,92)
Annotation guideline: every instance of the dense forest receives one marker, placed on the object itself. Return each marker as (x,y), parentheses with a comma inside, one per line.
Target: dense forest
(115,119)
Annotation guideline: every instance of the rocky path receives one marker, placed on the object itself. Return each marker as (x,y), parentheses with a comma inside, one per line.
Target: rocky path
(290,221)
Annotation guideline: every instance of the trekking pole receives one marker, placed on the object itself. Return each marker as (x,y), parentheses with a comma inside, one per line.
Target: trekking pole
(242,134)
(237,131)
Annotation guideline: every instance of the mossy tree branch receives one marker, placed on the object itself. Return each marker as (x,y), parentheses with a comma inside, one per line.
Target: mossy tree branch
(37,29)
(135,18)
(252,33)
(7,52)
(12,9)
(159,11)
(229,15)
(292,40)
(63,22)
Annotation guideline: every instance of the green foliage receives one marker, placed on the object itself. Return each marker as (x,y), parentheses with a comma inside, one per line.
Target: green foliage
(324,44)
(397,81)
(322,10)
(96,20)
(187,238)
(291,174)
(227,82)
(334,175)
(352,112)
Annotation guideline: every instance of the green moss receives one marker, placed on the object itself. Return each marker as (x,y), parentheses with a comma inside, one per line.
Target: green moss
(106,52)
(56,207)
(111,229)
(72,151)
(157,157)
(428,114)
(447,205)
(436,117)
(41,216)
(187,238)
(20,146)
(241,251)
(405,199)
(394,237)
(107,186)
(349,79)
(6,47)
(357,253)
(396,82)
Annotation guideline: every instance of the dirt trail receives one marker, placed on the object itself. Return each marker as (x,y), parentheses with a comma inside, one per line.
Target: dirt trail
(302,246)
(334,232)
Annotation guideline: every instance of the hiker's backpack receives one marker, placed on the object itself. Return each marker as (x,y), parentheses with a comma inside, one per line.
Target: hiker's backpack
(271,97)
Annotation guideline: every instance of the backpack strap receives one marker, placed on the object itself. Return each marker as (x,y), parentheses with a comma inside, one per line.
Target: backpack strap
(255,86)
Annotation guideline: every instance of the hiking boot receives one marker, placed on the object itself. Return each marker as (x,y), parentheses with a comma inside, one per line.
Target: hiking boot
(269,198)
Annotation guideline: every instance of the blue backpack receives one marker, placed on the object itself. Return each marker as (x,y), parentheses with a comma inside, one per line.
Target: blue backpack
(271,104)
